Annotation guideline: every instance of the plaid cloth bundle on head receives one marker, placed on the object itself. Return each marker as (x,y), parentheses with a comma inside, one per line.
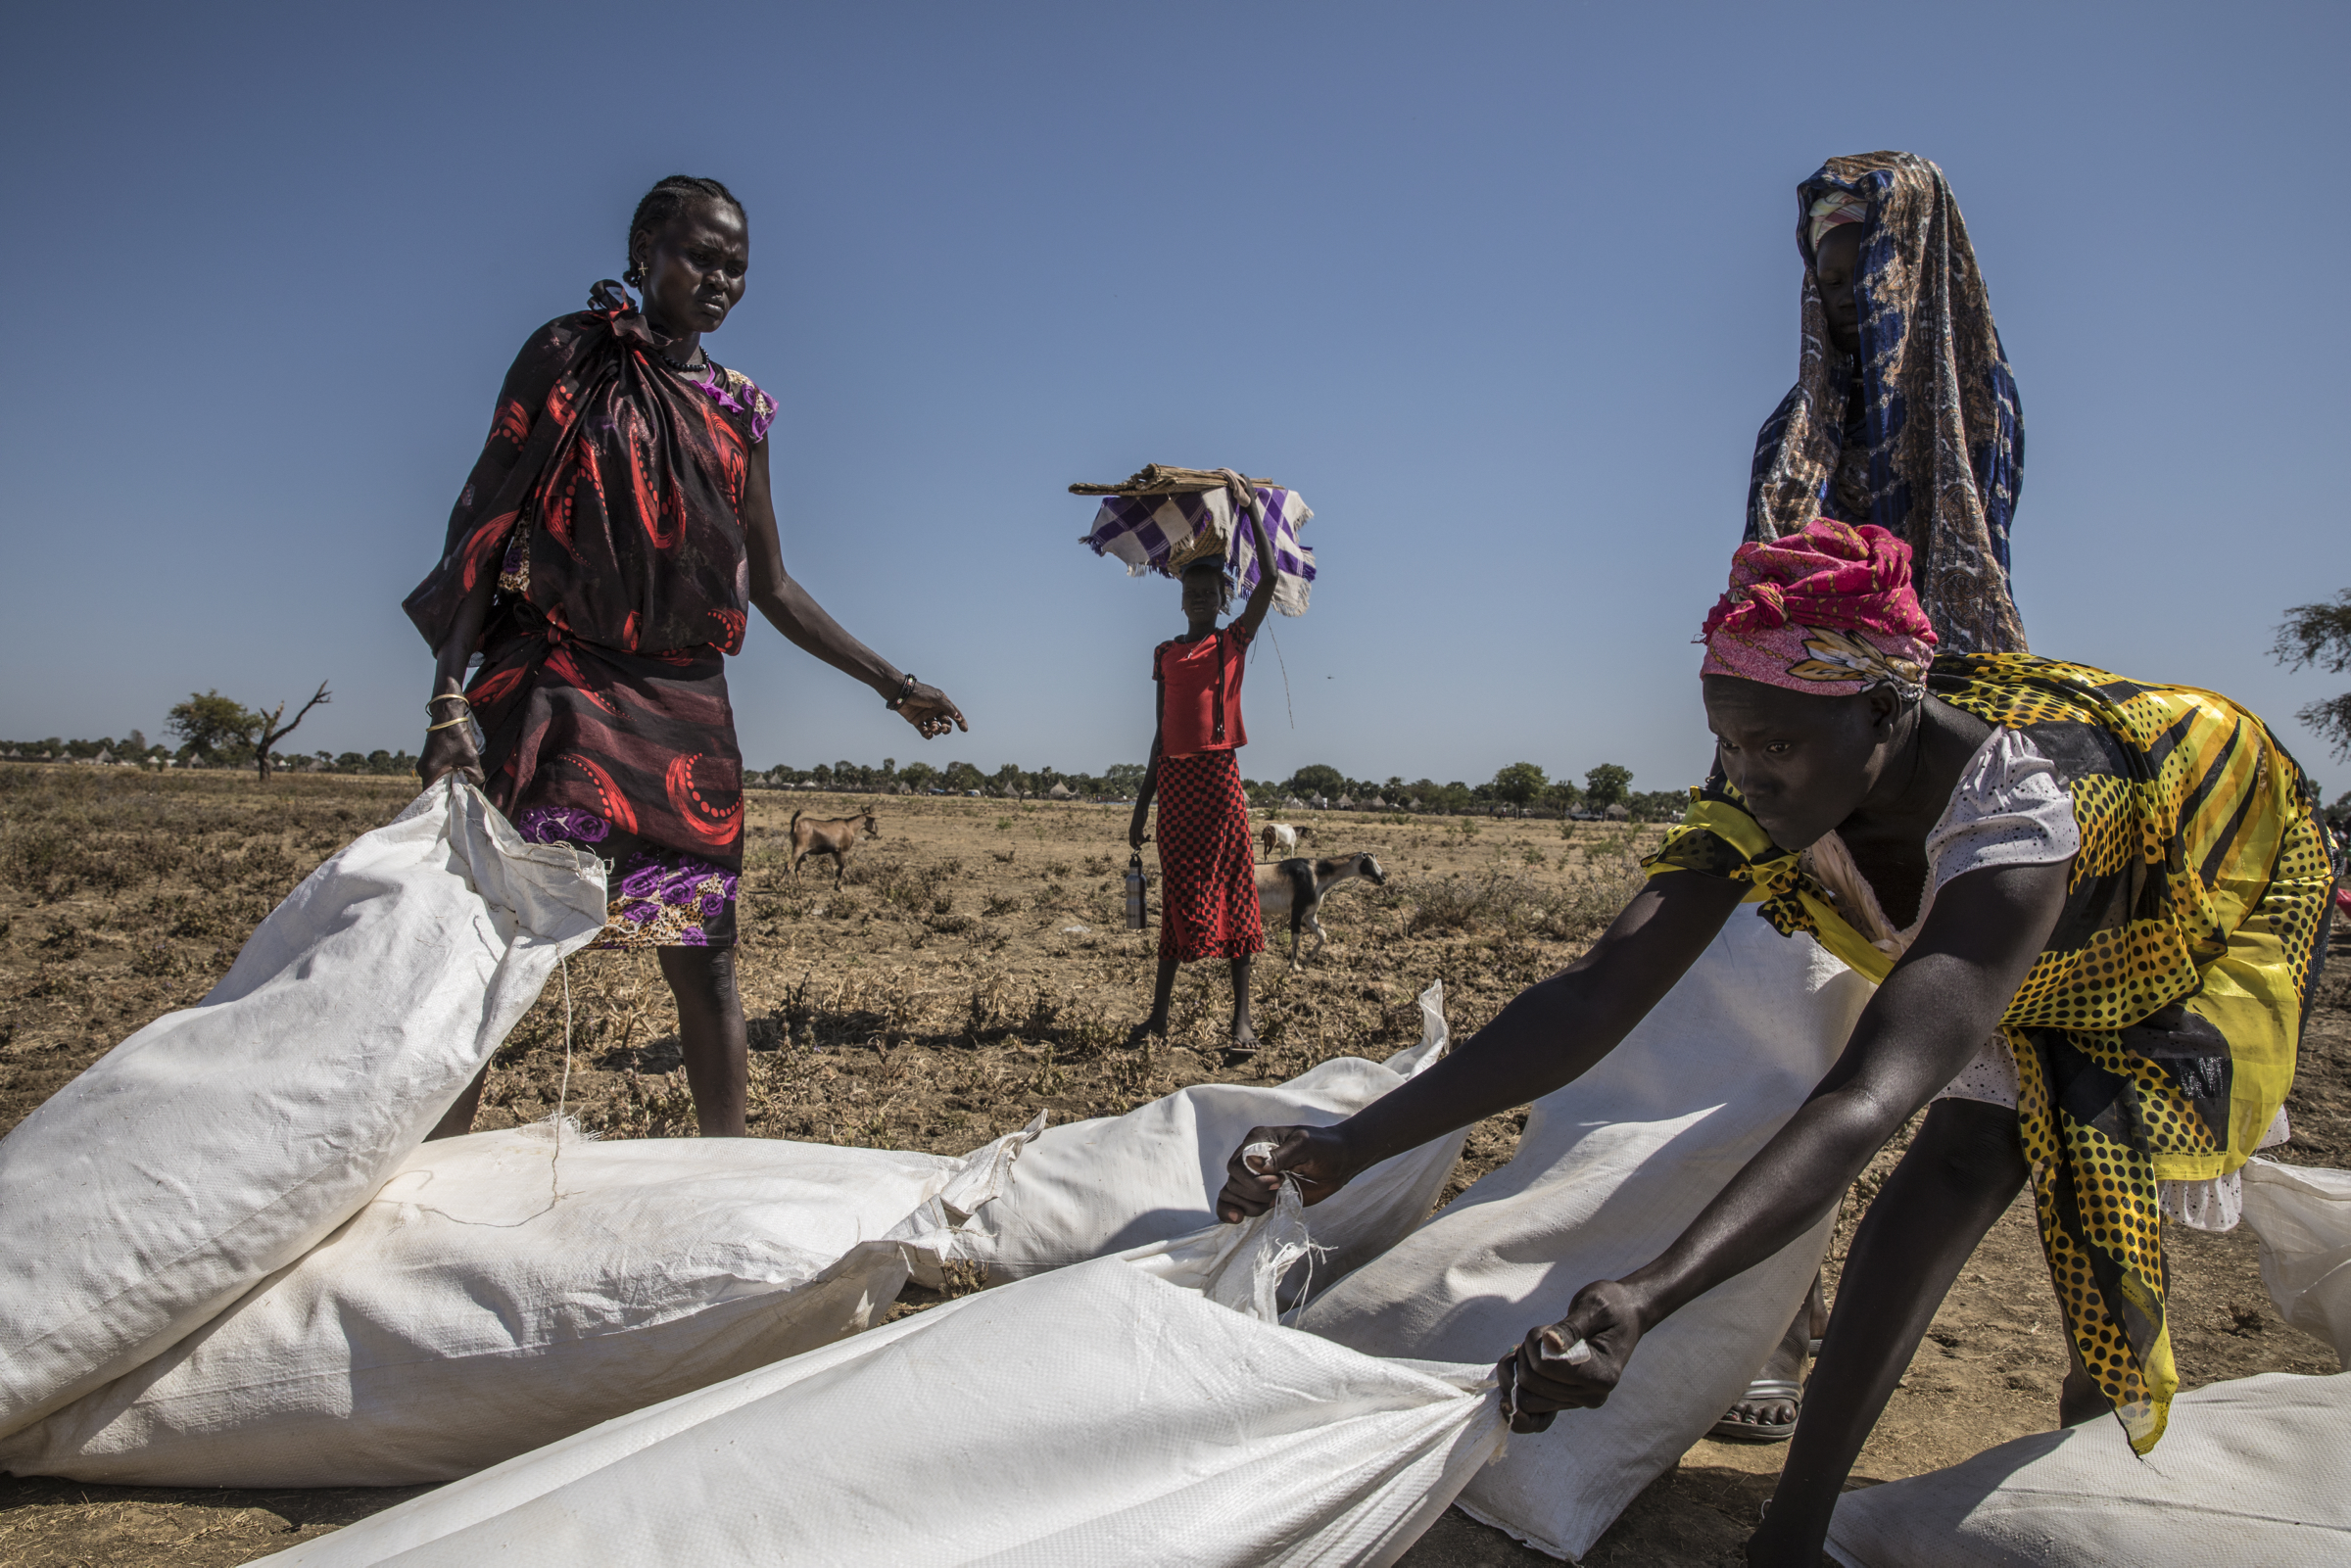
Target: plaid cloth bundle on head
(1166,530)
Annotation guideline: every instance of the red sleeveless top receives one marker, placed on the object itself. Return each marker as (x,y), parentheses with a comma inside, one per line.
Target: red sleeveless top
(1201,710)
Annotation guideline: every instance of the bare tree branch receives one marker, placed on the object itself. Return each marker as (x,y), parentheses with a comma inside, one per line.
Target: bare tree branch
(271,735)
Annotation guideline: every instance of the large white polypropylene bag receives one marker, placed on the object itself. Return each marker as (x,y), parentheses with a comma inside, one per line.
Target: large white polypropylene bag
(1609,1170)
(222,1142)
(2302,1216)
(2256,1470)
(1129,1412)
(506,1290)
(1091,1188)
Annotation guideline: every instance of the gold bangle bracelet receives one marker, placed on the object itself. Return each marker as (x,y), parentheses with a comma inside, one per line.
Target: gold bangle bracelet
(450,724)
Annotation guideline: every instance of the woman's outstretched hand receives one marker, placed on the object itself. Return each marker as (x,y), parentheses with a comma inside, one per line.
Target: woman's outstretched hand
(1576,1362)
(1316,1157)
(928,709)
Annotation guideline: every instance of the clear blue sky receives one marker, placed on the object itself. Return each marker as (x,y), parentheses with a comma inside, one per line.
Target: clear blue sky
(1503,291)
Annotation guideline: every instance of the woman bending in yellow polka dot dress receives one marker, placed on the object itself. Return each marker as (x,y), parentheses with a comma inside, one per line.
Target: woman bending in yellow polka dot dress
(2093,908)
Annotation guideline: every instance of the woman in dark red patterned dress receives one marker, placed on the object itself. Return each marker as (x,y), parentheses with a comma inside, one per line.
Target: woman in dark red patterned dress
(1208,869)
(601,561)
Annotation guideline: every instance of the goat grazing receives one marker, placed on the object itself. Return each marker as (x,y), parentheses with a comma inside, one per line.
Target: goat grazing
(1297,889)
(838,837)
(1278,837)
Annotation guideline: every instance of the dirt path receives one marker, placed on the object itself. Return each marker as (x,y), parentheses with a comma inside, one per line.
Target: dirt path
(971,971)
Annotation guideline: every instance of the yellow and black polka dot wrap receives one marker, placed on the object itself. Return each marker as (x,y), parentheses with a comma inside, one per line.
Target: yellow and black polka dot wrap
(2155,1036)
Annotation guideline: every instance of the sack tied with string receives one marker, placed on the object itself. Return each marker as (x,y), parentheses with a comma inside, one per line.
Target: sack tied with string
(224,1141)
(1133,1411)
(507,1289)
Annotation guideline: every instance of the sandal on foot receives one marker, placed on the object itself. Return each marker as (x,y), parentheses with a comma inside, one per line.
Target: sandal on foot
(1762,1391)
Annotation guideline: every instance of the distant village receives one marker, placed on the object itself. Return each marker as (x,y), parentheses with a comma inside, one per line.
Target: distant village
(1521,790)
(134,750)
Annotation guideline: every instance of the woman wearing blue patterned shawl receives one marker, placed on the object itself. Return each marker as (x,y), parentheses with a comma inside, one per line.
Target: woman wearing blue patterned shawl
(1903,412)
(1901,371)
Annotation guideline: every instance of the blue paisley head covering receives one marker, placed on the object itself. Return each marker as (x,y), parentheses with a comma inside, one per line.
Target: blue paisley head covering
(1919,432)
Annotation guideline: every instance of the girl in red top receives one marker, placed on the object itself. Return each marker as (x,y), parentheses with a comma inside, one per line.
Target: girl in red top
(1208,867)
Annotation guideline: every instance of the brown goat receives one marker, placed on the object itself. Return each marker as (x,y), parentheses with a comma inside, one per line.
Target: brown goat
(838,837)
(1296,889)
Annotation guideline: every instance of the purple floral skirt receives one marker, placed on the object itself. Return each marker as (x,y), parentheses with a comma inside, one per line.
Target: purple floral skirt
(660,897)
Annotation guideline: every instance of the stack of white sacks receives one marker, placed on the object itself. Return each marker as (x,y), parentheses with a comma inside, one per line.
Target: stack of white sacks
(231,1260)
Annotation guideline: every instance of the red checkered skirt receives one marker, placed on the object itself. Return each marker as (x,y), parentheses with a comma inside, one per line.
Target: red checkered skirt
(1208,869)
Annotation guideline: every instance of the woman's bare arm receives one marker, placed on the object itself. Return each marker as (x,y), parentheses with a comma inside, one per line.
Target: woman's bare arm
(1929,1016)
(1260,597)
(793,611)
(1150,785)
(1550,1036)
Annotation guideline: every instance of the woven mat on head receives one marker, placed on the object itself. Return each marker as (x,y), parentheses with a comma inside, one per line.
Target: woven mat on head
(1157,479)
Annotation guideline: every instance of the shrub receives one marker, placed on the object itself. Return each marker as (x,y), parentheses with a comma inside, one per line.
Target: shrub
(1499,901)
(40,860)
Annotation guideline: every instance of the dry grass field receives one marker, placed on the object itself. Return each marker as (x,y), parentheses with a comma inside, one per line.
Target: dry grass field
(972,970)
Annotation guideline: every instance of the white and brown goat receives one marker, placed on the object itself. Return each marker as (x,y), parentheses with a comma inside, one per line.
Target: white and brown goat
(1297,887)
(838,837)
(1282,839)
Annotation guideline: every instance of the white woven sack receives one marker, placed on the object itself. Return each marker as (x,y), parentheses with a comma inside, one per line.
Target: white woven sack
(222,1142)
(2255,1471)
(1116,1413)
(506,1290)
(1091,1188)
(1609,1171)
(2302,1216)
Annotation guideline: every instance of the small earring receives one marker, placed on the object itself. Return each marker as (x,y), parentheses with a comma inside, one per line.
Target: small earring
(634,278)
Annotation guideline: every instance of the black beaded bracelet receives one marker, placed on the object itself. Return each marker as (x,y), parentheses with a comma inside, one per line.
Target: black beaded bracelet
(904,692)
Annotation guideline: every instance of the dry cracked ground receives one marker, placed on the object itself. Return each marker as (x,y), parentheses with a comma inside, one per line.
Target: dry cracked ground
(971,971)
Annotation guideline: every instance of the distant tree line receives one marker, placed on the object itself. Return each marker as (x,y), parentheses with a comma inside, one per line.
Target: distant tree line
(216,733)
(1522,788)
(134,749)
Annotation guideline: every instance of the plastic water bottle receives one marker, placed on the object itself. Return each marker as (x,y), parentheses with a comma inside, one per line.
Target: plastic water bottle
(1135,891)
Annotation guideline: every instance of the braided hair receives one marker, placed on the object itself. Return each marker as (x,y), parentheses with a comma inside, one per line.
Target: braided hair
(666,201)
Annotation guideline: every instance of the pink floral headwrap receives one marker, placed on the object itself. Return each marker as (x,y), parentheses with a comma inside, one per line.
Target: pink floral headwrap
(1828,609)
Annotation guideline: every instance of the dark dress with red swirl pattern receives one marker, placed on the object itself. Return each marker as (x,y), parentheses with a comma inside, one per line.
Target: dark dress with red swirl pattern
(607,501)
